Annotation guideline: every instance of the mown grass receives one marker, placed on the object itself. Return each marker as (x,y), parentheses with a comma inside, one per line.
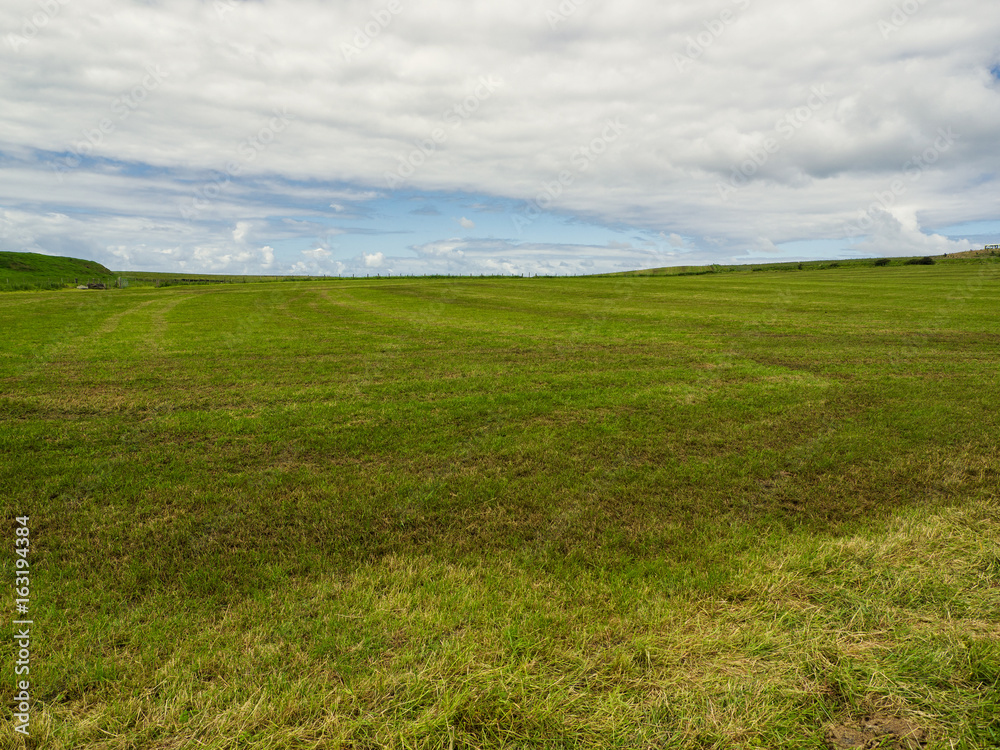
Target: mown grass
(690,512)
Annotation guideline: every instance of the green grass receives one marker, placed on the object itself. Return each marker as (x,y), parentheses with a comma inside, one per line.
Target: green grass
(702,511)
(23,271)
(969,257)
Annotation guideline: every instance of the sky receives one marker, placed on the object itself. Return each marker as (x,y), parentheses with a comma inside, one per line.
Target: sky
(551,137)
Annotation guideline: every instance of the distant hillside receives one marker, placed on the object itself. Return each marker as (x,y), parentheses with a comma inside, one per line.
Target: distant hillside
(970,256)
(32,271)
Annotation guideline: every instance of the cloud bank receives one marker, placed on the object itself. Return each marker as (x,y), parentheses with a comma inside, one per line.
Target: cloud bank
(582,135)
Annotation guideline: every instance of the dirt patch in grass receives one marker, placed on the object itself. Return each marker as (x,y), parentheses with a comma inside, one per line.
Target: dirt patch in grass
(876,731)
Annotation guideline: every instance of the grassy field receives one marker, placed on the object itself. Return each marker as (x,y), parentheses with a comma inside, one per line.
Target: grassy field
(703,511)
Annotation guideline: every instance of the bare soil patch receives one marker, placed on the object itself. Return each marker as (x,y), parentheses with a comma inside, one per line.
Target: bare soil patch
(876,732)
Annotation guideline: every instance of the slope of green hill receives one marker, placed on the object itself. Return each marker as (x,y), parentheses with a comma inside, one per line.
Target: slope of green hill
(33,271)
(970,256)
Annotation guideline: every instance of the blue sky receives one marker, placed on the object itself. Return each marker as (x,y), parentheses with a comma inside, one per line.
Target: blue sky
(442,137)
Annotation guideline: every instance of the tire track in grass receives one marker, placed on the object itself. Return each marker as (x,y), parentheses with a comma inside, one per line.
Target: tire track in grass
(160,323)
(77,363)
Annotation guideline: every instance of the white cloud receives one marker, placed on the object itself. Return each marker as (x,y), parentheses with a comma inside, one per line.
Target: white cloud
(504,257)
(765,246)
(318,253)
(116,114)
(893,237)
(353,195)
(374,260)
(240,231)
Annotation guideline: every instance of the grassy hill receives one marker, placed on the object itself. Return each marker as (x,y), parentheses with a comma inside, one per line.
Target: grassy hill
(971,256)
(36,271)
(717,511)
